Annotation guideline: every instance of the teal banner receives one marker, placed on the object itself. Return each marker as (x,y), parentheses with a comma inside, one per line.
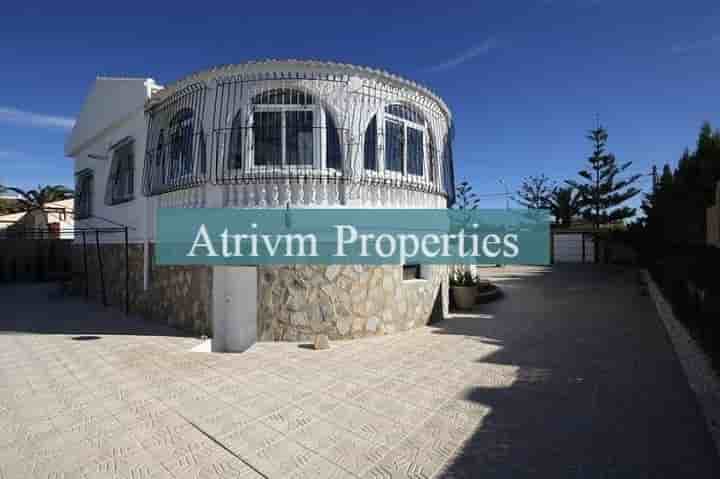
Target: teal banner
(223,236)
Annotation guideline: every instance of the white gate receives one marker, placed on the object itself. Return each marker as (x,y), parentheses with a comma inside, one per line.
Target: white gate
(573,247)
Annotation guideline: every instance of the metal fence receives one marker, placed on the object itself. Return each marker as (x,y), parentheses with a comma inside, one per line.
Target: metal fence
(40,254)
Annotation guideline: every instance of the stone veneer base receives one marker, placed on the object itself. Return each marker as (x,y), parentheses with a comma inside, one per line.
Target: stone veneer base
(295,303)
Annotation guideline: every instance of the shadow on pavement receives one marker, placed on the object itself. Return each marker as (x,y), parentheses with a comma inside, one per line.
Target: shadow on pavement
(597,393)
(35,308)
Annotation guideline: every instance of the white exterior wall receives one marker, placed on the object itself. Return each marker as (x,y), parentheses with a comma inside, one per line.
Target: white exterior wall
(113,111)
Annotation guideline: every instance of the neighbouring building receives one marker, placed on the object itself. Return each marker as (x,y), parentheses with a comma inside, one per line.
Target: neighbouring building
(266,134)
(53,221)
(35,245)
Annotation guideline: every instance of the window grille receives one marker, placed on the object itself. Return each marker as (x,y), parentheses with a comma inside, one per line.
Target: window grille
(176,154)
(122,174)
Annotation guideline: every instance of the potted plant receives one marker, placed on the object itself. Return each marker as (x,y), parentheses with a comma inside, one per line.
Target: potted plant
(464,288)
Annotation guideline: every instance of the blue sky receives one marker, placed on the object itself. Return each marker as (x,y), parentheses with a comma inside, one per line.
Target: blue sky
(524,79)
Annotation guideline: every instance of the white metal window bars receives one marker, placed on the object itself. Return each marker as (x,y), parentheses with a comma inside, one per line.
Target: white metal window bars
(350,100)
(268,127)
(409,148)
(175,157)
(120,186)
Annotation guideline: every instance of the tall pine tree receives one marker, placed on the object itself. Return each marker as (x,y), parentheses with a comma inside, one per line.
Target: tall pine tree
(602,192)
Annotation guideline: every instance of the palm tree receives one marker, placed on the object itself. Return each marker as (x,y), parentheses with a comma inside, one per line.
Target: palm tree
(38,198)
(565,203)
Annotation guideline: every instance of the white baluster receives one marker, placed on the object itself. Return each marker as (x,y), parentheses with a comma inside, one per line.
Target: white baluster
(262,203)
(301,192)
(287,194)
(251,195)
(324,192)
(313,192)
(275,194)
(308,192)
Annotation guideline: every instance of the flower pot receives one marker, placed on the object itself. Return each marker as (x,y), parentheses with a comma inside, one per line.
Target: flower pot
(464,296)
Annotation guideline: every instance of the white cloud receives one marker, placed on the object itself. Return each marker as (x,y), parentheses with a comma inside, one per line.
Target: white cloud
(478,50)
(704,44)
(20,117)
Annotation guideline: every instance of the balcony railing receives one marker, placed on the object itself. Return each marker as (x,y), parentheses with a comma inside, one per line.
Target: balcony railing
(298,140)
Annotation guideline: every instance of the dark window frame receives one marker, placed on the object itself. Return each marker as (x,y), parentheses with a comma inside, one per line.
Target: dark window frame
(121,181)
(412,272)
(84,180)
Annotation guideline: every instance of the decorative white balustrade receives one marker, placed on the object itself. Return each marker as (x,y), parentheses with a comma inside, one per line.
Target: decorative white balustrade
(320,193)
(298,193)
(195,197)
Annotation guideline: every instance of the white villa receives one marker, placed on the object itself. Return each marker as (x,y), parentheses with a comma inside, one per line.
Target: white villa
(266,134)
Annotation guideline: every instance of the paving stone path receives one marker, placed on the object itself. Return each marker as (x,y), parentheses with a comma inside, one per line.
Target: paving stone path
(570,375)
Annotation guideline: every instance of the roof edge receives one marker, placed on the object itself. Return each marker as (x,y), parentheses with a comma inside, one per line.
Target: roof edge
(228,68)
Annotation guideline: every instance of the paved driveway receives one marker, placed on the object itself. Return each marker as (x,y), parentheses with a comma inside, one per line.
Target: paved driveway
(570,375)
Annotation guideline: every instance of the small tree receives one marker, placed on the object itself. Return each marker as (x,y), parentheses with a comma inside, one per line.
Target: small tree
(535,192)
(602,193)
(465,199)
(564,205)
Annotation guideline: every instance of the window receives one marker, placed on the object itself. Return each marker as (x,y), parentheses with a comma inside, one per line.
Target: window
(84,189)
(267,133)
(120,182)
(370,149)
(415,151)
(411,272)
(181,143)
(179,154)
(394,145)
(333,156)
(299,137)
(160,166)
(404,140)
(432,159)
(236,142)
(287,128)
(405,132)
(448,169)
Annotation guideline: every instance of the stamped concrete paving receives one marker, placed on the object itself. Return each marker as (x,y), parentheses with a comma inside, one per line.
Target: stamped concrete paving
(571,375)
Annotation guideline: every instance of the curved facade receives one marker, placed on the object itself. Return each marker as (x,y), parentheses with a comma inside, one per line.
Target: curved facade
(304,134)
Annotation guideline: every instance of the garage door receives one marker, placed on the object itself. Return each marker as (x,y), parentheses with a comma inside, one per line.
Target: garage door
(573,248)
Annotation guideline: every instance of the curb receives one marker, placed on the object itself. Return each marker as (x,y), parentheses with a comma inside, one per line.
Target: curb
(700,375)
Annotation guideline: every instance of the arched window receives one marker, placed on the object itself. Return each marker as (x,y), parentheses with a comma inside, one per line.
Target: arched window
(180,131)
(287,130)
